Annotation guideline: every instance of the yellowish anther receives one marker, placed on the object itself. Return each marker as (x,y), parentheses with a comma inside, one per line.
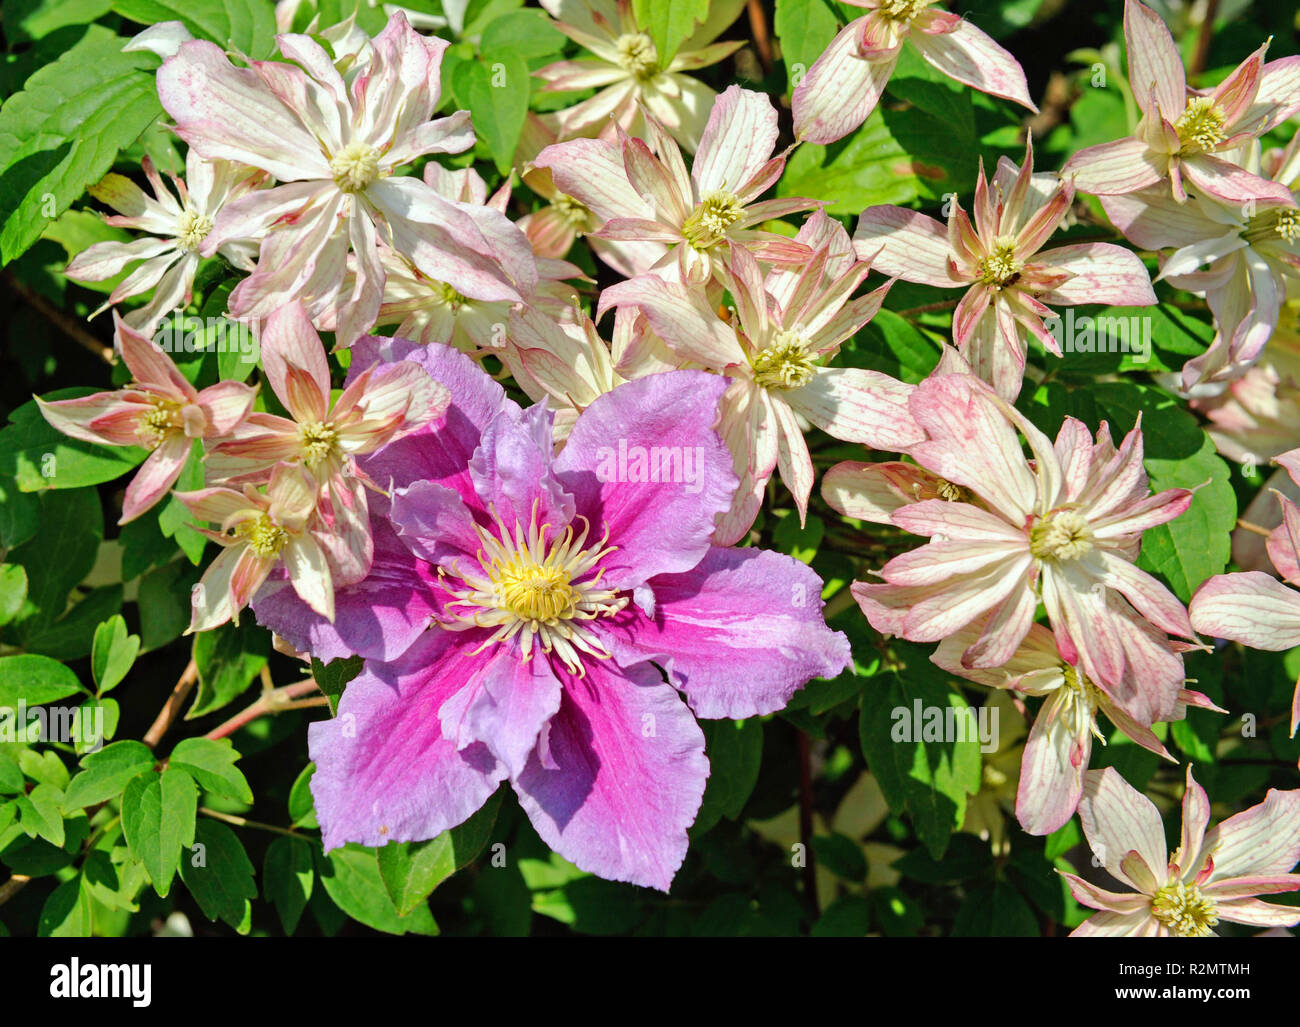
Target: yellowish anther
(950,492)
(158,422)
(448,296)
(264,536)
(319,442)
(576,214)
(1079,699)
(1201,126)
(539,588)
(191,230)
(707,224)
(785,364)
(354,167)
(1288,224)
(903,10)
(637,53)
(1060,535)
(1185,910)
(1000,266)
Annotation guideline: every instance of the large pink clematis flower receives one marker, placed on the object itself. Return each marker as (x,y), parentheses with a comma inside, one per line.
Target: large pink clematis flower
(258,531)
(378,405)
(335,143)
(1059,745)
(1213,876)
(643,193)
(159,410)
(1010,285)
(554,584)
(1065,529)
(844,84)
(176,227)
(1254,608)
(788,327)
(628,72)
(1185,137)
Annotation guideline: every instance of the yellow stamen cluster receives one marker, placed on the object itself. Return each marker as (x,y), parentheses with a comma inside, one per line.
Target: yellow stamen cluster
(637,53)
(707,225)
(1060,535)
(1000,265)
(448,296)
(191,230)
(951,493)
(1185,910)
(1201,126)
(531,585)
(1281,222)
(903,10)
(354,167)
(264,536)
(785,364)
(576,214)
(319,442)
(1287,224)
(156,423)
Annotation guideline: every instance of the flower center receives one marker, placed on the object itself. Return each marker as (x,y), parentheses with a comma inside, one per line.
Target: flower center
(155,424)
(637,53)
(1184,910)
(319,442)
(448,296)
(786,364)
(707,225)
(1062,535)
(575,213)
(264,536)
(1000,266)
(1201,125)
(537,587)
(903,10)
(1282,221)
(354,167)
(951,493)
(1078,702)
(191,230)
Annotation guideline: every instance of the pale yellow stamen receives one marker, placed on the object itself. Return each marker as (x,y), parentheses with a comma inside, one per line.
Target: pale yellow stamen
(1000,266)
(538,588)
(191,230)
(903,10)
(707,225)
(355,167)
(157,423)
(264,536)
(1201,126)
(319,442)
(785,364)
(1185,910)
(576,214)
(448,296)
(637,54)
(1061,535)
(1283,222)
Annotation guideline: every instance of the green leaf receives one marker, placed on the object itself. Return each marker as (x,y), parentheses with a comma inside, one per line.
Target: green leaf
(302,812)
(842,856)
(333,677)
(497,97)
(64,130)
(39,815)
(219,876)
(411,871)
(107,772)
(244,25)
(995,911)
(158,812)
(58,556)
(34,680)
(847,917)
(287,877)
(229,658)
(211,762)
(918,771)
(735,751)
(164,602)
(20,514)
(528,33)
(799,542)
(669,22)
(805,28)
(39,457)
(351,877)
(13,591)
(36,19)
(72,635)
(66,913)
(112,654)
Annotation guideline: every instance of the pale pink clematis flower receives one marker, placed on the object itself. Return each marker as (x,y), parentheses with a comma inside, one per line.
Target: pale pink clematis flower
(844,84)
(630,74)
(176,225)
(642,192)
(1242,258)
(1059,745)
(1213,876)
(1183,134)
(1254,608)
(1010,284)
(376,408)
(159,410)
(335,143)
(1065,529)
(259,531)
(788,326)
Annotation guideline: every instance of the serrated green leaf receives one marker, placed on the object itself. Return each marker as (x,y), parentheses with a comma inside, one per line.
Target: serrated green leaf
(112,653)
(211,762)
